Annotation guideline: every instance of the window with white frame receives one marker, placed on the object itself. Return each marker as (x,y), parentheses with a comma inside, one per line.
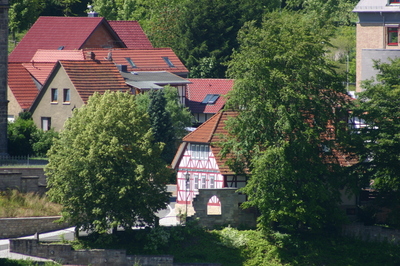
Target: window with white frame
(203,181)
(196,181)
(46,123)
(199,151)
(212,181)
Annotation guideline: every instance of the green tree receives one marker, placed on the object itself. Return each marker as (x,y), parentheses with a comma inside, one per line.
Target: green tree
(379,107)
(197,30)
(105,168)
(23,13)
(180,115)
(161,124)
(42,141)
(286,92)
(20,135)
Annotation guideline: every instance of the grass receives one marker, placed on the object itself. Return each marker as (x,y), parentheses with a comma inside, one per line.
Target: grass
(16,204)
(232,247)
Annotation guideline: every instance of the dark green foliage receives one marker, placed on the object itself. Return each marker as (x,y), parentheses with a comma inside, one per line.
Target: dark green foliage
(105,169)
(9,262)
(42,141)
(286,92)
(20,134)
(161,124)
(205,30)
(379,144)
(232,247)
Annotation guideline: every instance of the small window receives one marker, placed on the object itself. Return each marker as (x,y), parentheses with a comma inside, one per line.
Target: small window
(393,36)
(196,181)
(46,123)
(54,95)
(203,181)
(395,1)
(131,63)
(210,99)
(212,181)
(67,96)
(168,61)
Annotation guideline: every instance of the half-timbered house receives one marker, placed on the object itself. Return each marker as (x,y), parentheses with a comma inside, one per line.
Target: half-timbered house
(199,165)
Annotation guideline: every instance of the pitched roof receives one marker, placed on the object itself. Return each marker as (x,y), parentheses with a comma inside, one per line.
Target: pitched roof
(198,90)
(131,33)
(89,77)
(144,60)
(211,132)
(375,6)
(42,55)
(22,85)
(58,33)
(146,80)
(40,71)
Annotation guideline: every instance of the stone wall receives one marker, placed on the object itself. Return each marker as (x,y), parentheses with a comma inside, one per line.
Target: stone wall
(23,179)
(231,213)
(16,227)
(371,233)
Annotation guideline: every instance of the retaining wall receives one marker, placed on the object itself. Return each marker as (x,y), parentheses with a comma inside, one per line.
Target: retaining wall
(16,227)
(23,179)
(372,233)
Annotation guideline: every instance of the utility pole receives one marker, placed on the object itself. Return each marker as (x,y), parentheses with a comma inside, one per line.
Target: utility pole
(3,75)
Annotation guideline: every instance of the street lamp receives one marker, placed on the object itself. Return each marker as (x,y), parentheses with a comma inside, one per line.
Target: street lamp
(187,178)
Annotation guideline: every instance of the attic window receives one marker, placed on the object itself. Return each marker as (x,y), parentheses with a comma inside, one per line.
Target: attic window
(210,99)
(168,61)
(61,47)
(130,62)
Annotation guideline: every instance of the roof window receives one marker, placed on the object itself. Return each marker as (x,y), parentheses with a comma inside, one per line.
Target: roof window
(130,62)
(210,99)
(61,47)
(168,61)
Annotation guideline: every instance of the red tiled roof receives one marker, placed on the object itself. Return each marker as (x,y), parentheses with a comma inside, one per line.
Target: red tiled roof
(42,55)
(211,132)
(131,33)
(145,60)
(54,32)
(40,71)
(198,90)
(89,77)
(21,84)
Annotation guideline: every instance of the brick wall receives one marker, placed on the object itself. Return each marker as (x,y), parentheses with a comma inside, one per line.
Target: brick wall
(17,227)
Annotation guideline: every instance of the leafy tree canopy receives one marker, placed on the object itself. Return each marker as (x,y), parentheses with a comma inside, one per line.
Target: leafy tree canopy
(20,134)
(378,107)
(105,168)
(286,92)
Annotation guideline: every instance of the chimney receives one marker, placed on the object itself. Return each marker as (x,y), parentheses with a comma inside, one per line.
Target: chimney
(122,68)
(91,55)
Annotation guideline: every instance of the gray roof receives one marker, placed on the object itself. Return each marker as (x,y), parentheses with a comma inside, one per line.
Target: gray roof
(376,6)
(152,79)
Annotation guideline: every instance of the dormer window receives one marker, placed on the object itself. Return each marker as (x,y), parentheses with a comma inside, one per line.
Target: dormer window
(168,61)
(131,63)
(393,35)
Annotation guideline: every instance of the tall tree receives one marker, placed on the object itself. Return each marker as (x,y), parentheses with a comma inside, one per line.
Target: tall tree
(378,107)
(161,124)
(105,168)
(287,92)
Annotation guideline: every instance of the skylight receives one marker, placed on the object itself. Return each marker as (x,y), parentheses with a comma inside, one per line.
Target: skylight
(61,47)
(130,62)
(168,61)
(210,99)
